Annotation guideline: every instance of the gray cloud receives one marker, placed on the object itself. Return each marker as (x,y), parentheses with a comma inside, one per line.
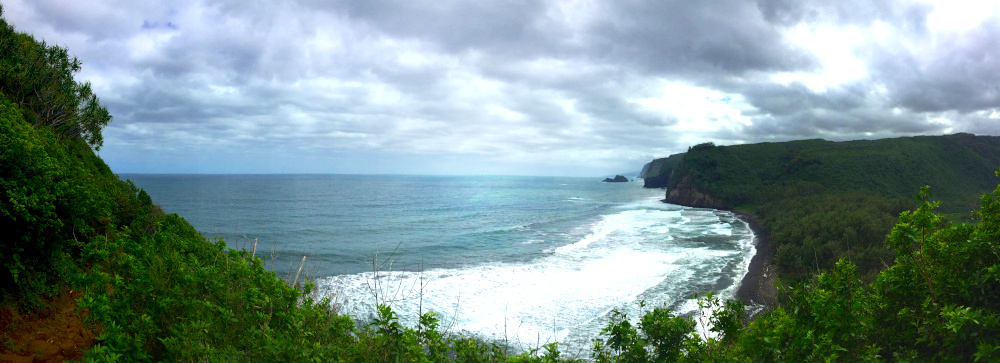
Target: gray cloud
(525,86)
(962,72)
(451,25)
(681,37)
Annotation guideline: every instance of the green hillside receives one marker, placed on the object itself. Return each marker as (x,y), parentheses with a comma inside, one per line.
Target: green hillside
(93,270)
(959,166)
(822,200)
(656,174)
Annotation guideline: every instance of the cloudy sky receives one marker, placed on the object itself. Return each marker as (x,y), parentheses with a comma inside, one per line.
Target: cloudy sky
(579,88)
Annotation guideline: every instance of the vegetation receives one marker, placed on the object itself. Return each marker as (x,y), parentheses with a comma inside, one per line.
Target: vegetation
(822,201)
(960,165)
(656,174)
(39,78)
(153,289)
(47,203)
(936,303)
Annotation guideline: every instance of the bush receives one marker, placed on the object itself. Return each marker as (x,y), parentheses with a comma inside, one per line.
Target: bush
(46,204)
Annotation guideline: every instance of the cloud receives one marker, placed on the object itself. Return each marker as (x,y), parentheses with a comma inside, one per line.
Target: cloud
(525,87)
(955,71)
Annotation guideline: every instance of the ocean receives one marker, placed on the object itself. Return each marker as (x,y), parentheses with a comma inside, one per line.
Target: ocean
(519,260)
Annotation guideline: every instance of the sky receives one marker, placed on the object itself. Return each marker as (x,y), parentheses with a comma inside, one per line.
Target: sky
(517,87)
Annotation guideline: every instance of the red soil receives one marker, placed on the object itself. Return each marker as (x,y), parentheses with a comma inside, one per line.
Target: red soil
(52,333)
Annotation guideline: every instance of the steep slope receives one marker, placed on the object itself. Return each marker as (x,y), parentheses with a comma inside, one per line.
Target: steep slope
(90,268)
(823,200)
(656,174)
(100,270)
(959,166)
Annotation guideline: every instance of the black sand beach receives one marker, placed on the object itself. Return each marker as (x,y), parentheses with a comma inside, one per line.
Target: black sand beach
(757,287)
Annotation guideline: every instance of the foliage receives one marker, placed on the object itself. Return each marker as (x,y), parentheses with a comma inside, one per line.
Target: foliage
(813,231)
(937,302)
(941,291)
(663,337)
(959,166)
(39,77)
(155,289)
(822,201)
(657,173)
(46,207)
(171,295)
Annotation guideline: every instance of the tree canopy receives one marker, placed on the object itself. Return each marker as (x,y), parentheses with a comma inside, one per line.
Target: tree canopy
(39,77)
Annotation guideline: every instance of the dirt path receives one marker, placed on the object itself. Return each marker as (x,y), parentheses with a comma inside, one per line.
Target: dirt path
(53,333)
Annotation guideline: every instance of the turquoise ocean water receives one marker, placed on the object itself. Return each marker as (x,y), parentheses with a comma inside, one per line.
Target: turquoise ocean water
(526,260)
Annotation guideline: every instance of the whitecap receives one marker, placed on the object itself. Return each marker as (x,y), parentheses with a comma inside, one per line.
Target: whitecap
(566,293)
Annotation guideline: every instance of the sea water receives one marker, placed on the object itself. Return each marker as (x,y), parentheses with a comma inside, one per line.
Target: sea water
(518,260)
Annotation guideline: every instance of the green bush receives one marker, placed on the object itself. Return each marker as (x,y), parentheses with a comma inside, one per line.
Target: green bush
(46,204)
(155,289)
(822,201)
(937,302)
(39,77)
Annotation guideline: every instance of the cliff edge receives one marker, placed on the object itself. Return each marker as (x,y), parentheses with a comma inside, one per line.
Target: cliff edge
(657,173)
(757,286)
(688,195)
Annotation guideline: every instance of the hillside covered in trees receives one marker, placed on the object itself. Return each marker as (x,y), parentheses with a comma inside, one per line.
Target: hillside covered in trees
(92,269)
(822,200)
(656,173)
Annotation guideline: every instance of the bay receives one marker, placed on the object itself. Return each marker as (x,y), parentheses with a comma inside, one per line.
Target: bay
(520,260)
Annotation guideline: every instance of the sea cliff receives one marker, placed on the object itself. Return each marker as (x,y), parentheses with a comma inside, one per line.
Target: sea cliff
(824,201)
(757,286)
(657,173)
(687,194)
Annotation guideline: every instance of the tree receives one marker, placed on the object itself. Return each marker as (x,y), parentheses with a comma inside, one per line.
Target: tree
(39,77)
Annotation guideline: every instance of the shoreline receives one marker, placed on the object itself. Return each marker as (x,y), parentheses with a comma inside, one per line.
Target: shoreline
(757,286)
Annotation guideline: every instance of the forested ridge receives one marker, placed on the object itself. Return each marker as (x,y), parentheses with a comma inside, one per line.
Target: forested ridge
(656,173)
(143,285)
(959,166)
(822,200)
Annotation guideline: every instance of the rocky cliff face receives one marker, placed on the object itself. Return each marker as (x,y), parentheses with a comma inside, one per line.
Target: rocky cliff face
(659,181)
(657,173)
(645,170)
(686,194)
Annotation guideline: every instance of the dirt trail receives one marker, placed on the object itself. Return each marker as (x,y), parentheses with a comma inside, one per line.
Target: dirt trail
(53,333)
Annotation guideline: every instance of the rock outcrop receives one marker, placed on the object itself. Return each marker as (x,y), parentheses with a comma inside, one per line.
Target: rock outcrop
(686,194)
(659,181)
(658,172)
(617,179)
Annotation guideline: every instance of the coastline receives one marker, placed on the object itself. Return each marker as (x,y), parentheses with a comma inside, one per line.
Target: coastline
(757,286)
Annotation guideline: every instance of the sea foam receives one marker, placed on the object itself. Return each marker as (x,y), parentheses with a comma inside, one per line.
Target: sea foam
(565,294)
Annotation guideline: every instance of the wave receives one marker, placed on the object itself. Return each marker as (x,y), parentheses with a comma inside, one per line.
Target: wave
(566,293)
